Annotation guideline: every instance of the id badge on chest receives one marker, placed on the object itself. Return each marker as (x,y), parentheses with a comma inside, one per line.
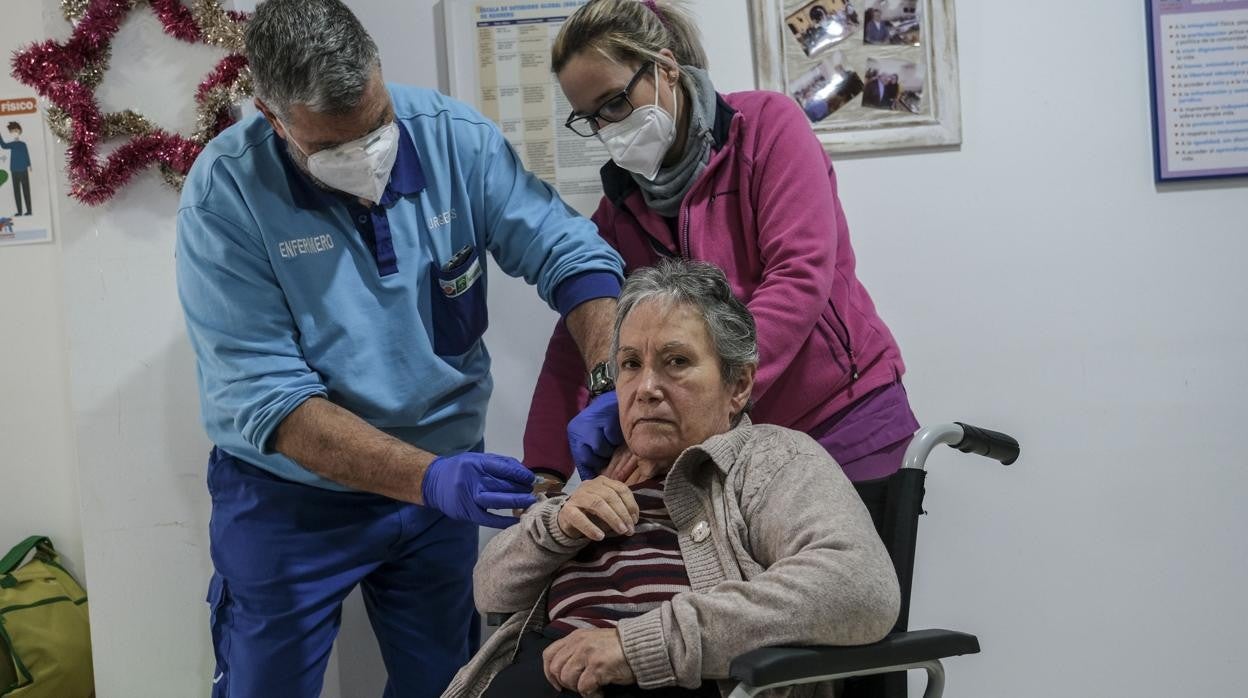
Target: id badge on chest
(459,285)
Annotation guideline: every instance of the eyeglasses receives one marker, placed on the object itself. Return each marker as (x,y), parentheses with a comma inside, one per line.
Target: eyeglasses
(612,111)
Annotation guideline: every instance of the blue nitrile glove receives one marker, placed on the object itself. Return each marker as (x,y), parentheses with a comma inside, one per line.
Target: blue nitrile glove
(594,434)
(465,485)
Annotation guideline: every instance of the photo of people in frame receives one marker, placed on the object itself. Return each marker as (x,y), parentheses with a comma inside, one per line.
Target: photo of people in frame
(826,88)
(821,24)
(892,22)
(893,84)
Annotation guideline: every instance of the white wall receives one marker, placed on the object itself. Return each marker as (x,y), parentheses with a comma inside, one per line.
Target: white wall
(1042,283)
(1037,280)
(141,452)
(38,482)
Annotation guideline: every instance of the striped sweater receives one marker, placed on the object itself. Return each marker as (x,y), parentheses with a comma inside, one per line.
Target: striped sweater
(621,576)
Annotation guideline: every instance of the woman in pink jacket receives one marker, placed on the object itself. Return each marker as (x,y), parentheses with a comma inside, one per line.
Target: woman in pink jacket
(740,181)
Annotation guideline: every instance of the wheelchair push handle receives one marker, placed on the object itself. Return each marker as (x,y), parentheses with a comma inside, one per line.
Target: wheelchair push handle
(965,438)
(989,443)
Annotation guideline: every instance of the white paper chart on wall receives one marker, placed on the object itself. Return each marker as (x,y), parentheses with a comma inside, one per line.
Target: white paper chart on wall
(499,59)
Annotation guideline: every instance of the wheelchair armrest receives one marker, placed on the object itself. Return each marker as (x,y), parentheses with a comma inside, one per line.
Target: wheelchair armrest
(777,665)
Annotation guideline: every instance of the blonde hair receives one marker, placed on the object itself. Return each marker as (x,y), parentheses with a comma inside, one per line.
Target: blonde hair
(629,31)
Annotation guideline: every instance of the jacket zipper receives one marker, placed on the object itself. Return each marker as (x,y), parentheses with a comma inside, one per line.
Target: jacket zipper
(683,239)
(845,343)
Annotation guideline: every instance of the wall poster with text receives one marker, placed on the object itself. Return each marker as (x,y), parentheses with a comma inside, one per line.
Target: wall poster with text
(1198,62)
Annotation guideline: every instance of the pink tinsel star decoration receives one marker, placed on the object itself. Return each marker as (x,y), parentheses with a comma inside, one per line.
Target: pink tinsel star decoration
(67,74)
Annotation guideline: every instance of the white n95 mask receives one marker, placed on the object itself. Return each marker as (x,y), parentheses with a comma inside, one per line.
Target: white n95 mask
(639,142)
(361,167)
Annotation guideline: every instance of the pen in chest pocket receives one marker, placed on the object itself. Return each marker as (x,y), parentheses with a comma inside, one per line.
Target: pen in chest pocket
(458,258)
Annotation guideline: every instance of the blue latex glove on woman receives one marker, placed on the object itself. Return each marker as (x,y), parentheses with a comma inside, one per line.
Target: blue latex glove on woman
(464,486)
(594,434)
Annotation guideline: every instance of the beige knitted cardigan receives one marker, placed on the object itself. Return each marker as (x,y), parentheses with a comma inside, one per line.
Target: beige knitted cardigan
(778,547)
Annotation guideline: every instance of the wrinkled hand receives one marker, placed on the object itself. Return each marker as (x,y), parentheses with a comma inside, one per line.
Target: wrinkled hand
(586,660)
(594,434)
(597,504)
(622,466)
(466,485)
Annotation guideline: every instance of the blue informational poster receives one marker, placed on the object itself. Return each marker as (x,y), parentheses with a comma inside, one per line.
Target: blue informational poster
(1198,64)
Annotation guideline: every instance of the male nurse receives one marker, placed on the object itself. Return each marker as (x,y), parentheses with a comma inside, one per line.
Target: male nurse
(332,264)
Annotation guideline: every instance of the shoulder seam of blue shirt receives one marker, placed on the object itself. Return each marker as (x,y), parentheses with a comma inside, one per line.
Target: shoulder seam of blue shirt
(209,212)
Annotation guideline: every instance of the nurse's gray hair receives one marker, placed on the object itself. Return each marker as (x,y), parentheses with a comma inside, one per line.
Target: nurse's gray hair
(703,286)
(310,52)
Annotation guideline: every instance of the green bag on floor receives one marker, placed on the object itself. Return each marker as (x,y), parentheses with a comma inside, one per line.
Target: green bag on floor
(45,639)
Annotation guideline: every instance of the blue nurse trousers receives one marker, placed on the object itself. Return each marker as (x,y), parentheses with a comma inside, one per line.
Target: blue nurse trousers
(286,555)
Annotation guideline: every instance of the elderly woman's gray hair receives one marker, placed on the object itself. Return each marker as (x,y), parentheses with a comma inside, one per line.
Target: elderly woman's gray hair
(310,52)
(704,286)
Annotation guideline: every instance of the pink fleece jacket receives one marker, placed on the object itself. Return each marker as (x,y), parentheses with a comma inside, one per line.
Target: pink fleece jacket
(766,211)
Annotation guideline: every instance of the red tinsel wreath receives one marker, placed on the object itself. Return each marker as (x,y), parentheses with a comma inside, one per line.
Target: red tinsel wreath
(67,75)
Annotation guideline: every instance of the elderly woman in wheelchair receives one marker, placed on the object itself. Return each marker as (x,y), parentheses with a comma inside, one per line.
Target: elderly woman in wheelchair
(707,537)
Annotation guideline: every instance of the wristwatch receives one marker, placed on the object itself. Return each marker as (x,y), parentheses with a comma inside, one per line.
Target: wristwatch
(600,380)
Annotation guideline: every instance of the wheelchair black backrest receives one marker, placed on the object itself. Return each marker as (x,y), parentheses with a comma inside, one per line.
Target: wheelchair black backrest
(895,503)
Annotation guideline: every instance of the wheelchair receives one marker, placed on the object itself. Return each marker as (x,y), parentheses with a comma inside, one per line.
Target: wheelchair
(878,670)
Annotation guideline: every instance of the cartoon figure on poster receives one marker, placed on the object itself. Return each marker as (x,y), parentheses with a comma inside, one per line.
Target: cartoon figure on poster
(19,167)
(23,176)
(7,231)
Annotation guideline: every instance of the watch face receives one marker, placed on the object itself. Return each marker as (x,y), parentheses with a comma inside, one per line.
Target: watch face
(600,379)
